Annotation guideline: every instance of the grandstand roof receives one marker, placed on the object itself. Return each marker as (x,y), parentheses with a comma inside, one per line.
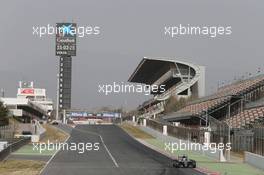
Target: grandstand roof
(150,69)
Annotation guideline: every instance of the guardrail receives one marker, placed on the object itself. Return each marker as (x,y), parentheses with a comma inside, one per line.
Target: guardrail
(13,147)
(254,160)
(185,133)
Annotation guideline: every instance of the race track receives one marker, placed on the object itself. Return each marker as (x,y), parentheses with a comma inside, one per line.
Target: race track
(118,154)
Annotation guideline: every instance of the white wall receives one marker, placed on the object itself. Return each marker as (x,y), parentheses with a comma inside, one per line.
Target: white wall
(254,160)
(201,82)
(14,101)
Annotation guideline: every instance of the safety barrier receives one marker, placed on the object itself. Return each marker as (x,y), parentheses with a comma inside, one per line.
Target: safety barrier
(15,145)
(254,160)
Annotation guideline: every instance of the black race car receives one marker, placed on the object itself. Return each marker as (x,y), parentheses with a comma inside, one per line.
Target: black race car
(184,162)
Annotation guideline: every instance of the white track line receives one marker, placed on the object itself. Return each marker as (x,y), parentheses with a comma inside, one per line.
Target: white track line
(93,133)
(113,159)
(53,155)
(102,140)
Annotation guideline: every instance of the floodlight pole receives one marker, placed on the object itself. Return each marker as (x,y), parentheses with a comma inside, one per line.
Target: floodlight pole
(206,119)
(3,92)
(229,116)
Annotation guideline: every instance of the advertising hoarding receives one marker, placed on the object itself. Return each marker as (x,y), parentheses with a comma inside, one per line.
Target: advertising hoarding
(89,114)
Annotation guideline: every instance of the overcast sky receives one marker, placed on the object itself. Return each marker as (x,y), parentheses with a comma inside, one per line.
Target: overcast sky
(129,30)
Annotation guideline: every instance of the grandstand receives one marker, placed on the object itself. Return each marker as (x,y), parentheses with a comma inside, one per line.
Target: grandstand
(247,118)
(234,113)
(180,78)
(238,95)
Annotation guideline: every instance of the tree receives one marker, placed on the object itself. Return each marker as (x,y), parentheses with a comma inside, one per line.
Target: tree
(3,114)
(3,110)
(174,104)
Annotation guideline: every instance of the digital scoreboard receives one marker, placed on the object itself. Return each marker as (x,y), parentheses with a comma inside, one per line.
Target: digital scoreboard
(66,39)
(65,48)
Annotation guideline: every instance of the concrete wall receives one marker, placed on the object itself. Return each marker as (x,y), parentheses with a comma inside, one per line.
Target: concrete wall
(254,160)
(40,133)
(14,101)
(201,82)
(16,112)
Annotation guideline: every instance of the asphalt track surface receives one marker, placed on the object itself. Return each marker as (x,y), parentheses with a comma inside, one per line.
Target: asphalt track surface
(118,154)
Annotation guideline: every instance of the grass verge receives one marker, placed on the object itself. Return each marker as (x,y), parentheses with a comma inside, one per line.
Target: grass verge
(136,132)
(54,134)
(203,161)
(32,167)
(21,167)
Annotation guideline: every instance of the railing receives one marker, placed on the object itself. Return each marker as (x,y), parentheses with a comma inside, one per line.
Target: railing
(241,140)
(258,141)
(184,133)
(168,92)
(7,132)
(164,77)
(180,86)
(13,147)
(219,130)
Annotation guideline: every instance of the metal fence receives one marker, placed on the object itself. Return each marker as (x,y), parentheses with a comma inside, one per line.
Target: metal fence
(191,134)
(219,130)
(155,125)
(7,132)
(15,145)
(251,140)
(258,141)
(242,140)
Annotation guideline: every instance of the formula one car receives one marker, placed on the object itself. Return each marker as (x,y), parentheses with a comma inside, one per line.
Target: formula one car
(184,162)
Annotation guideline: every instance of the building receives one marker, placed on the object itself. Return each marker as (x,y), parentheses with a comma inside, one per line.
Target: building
(30,103)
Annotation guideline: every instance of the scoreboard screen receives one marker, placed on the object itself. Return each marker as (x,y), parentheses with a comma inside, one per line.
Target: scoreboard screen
(66,39)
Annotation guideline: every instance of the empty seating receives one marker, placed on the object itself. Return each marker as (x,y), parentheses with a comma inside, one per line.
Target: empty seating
(221,95)
(246,117)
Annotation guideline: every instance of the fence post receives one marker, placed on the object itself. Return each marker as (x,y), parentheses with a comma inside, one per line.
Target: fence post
(165,132)
(207,136)
(221,152)
(144,122)
(134,119)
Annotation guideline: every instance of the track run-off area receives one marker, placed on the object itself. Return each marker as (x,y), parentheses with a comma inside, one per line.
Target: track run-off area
(118,154)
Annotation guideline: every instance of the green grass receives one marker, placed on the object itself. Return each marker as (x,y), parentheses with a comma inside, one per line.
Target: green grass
(29,150)
(204,161)
(136,132)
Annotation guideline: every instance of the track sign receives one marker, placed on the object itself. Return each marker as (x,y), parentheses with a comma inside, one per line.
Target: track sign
(66,39)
